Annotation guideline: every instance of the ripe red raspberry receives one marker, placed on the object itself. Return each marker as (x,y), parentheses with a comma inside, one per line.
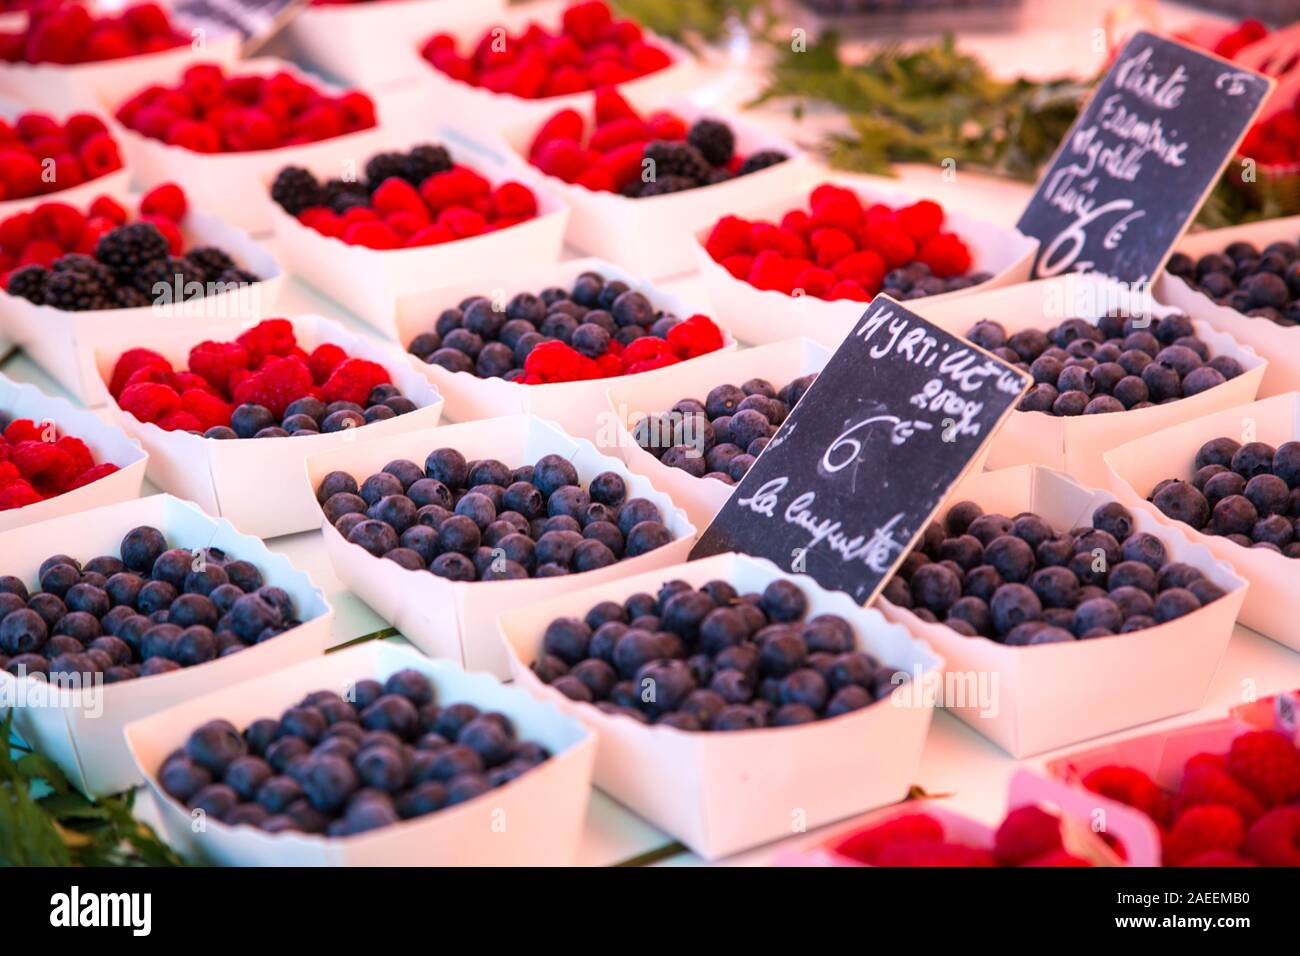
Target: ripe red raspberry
(837,208)
(1206,783)
(8,472)
(610,105)
(131,361)
(458,186)
(166,200)
(764,236)
(563,159)
(76,449)
(1129,786)
(106,207)
(371,235)
(1025,833)
(16,233)
(430,236)
(815,282)
(102,470)
(1268,764)
(18,494)
(24,429)
(586,22)
(694,337)
(1274,839)
(323,360)
(1210,826)
(738,265)
(866,268)
(98,156)
(180,421)
(892,244)
(352,380)
(771,271)
(665,125)
(149,401)
(946,255)
(209,409)
(58,222)
(921,220)
(397,195)
(830,245)
(513,200)
(1216,858)
(848,289)
(566,125)
(268,337)
(215,361)
(553,361)
(729,237)
(279,382)
(928,853)
(48,468)
(797,221)
(865,845)
(463,222)
(645,348)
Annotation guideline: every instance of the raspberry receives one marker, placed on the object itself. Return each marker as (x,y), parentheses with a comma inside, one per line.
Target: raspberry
(99,471)
(76,449)
(167,200)
(738,265)
(729,237)
(667,126)
(149,401)
(16,232)
(456,187)
(553,361)
(430,236)
(1217,858)
(946,255)
(215,361)
(1205,783)
(269,337)
(1026,833)
(98,156)
(921,220)
(352,380)
(279,382)
(372,235)
(128,363)
(1274,839)
(1268,764)
(1057,858)
(848,289)
(610,105)
(815,282)
(837,208)
(152,374)
(586,21)
(892,244)
(830,246)
(48,468)
(57,222)
(865,268)
(694,337)
(865,845)
(397,195)
(514,200)
(323,360)
(104,207)
(764,236)
(563,159)
(184,381)
(23,429)
(464,223)
(206,407)
(18,494)
(929,853)
(1210,826)
(1128,786)
(180,421)
(564,126)
(8,472)
(771,271)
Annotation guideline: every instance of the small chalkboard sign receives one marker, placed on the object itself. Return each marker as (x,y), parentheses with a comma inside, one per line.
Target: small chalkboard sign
(1139,161)
(869,453)
(257,21)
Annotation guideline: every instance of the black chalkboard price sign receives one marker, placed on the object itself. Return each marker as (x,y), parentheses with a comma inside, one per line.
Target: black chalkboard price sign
(1139,161)
(869,453)
(257,21)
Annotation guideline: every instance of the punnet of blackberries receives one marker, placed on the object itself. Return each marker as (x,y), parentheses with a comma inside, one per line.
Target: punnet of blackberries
(1116,364)
(721,436)
(1019,581)
(1261,283)
(713,658)
(485,521)
(132,267)
(1248,493)
(348,761)
(148,610)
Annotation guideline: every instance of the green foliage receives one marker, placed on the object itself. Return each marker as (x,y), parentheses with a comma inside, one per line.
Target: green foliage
(691,21)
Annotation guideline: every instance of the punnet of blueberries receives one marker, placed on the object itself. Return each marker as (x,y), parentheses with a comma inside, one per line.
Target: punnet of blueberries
(342,764)
(1114,365)
(1019,581)
(721,436)
(1249,494)
(712,658)
(484,521)
(1262,283)
(149,610)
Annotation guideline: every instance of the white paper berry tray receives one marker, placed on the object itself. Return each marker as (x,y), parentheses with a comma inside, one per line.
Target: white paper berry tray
(577,406)
(722,792)
(478,109)
(81,728)
(1036,698)
(345,39)
(64,343)
(1075,444)
(106,443)
(535,820)
(371,281)
(116,184)
(629,400)
(81,85)
(758,316)
(1133,830)
(1136,467)
(234,182)
(456,619)
(1279,345)
(649,235)
(230,477)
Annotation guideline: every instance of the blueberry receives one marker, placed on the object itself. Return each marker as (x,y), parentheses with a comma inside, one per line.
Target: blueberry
(1182,502)
(553,472)
(1253,458)
(935,587)
(1234,515)
(646,537)
(1173,603)
(848,699)
(215,745)
(182,778)
(1223,485)
(1014,604)
(1286,463)
(1268,493)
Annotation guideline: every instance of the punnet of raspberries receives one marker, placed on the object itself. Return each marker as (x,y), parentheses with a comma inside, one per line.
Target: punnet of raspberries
(1027,836)
(37,461)
(104,259)
(262,385)
(718,659)
(721,436)
(1249,494)
(147,610)
(600,328)
(485,521)
(416,198)
(1019,581)
(1261,283)
(338,766)
(1228,809)
(1114,364)
(591,49)
(840,249)
(69,33)
(212,112)
(80,149)
(637,156)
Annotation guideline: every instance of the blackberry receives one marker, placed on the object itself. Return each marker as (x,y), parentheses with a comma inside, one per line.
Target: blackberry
(344,201)
(237,276)
(383,166)
(296,189)
(676,159)
(76,262)
(76,292)
(631,189)
(667,184)
(425,161)
(127,249)
(761,160)
(129,297)
(714,140)
(341,195)
(168,272)
(718,176)
(28,283)
(210,260)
